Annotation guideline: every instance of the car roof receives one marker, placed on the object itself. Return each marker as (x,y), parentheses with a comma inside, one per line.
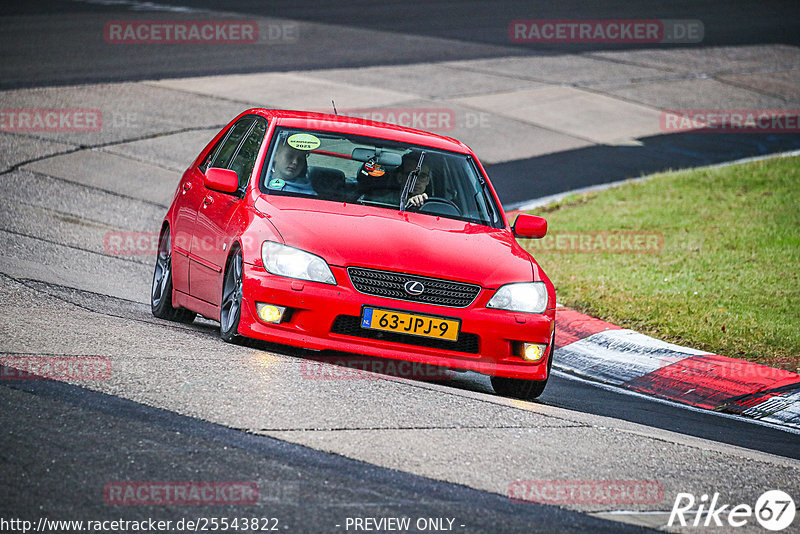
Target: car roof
(359,126)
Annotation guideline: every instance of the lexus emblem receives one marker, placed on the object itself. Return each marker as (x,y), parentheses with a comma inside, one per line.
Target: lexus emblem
(414,288)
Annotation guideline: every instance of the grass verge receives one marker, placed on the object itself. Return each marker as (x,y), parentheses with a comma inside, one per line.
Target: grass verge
(705,258)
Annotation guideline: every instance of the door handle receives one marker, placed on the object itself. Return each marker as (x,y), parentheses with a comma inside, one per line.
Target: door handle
(208,200)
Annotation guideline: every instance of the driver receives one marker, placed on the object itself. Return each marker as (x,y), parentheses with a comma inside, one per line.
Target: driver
(289,171)
(387,188)
(417,196)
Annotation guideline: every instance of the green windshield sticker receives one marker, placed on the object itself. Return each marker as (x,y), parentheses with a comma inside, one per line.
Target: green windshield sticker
(276,183)
(302,141)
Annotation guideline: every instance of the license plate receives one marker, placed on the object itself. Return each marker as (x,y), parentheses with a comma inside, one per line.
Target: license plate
(410,323)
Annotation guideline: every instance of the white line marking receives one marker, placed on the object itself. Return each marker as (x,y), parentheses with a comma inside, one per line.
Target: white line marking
(141,6)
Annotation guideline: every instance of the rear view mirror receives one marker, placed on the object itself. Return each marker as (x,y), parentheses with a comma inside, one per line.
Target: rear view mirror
(222,180)
(390,159)
(530,226)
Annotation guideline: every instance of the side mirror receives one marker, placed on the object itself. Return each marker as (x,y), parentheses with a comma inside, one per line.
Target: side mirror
(530,226)
(222,180)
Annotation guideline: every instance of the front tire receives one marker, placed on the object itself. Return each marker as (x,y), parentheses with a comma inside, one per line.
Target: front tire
(161,292)
(524,389)
(231,308)
(517,388)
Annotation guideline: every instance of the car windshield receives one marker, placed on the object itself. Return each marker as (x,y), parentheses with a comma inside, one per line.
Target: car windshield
(332,166)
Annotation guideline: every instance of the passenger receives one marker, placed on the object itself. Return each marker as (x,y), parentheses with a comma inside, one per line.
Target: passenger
(289,171)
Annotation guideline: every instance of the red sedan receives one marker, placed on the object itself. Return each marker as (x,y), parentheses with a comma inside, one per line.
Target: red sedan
(331,232)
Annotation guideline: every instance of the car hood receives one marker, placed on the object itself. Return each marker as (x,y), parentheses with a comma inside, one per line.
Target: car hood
(354,235)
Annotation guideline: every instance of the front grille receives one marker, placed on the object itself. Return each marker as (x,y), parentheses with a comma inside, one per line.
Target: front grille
(391,285)
(349,325)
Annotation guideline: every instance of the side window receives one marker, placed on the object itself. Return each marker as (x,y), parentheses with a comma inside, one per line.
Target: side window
(207,160)
(245,159)
(226,152)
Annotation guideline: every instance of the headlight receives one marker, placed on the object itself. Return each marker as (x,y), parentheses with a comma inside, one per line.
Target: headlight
(529,297)
(295,263)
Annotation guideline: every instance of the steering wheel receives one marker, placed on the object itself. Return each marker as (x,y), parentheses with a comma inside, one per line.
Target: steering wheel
(432,203)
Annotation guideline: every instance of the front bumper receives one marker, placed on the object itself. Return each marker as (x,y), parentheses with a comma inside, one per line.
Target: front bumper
(327,317)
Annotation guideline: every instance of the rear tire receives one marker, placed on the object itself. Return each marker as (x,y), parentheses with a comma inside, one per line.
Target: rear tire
(161,292)
(524,389)
(231,307)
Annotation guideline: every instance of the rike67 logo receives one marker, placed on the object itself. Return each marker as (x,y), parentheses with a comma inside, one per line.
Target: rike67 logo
(774,510)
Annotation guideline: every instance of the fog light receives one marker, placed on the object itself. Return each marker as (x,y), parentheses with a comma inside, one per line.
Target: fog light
(269,313)
(533,352)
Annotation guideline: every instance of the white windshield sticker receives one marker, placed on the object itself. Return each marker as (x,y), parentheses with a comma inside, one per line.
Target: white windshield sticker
(302,141)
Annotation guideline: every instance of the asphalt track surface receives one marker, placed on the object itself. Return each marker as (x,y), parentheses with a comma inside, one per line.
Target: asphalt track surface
(61,42)
(61,443)
(60,53)
(305,490)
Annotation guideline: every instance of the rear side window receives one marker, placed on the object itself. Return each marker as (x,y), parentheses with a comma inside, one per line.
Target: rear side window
(226,152)
(245,159)
(238,148)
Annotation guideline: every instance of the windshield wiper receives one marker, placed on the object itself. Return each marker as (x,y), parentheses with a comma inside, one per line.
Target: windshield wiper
(411,181)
